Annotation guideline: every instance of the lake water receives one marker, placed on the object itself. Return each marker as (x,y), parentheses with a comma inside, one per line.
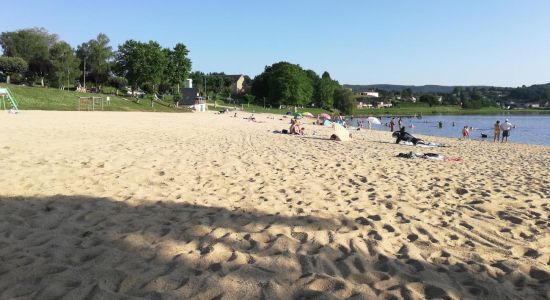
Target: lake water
(530,129)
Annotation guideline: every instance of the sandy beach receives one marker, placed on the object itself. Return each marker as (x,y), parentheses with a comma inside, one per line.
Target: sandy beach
(114,205)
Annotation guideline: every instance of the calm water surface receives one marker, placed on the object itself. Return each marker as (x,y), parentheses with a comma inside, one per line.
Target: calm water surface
(530,129)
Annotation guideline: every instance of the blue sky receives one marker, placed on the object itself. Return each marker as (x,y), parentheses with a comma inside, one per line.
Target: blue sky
(489,42)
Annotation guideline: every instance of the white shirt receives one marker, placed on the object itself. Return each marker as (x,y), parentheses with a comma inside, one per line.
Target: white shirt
(506,126)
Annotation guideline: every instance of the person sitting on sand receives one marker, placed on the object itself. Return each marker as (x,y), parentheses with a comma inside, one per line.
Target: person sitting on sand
(402,135)
(295,127)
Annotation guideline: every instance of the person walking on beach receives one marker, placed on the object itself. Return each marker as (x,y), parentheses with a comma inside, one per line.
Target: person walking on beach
(505,127)
(497,132)
(400,123)
(392,124)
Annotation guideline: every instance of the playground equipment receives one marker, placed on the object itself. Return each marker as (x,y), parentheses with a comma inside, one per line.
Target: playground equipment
(6,93)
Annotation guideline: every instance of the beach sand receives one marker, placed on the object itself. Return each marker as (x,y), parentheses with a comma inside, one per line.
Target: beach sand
(112,205)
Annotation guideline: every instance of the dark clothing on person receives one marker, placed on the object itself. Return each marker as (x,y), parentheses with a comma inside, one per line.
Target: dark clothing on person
(401,135)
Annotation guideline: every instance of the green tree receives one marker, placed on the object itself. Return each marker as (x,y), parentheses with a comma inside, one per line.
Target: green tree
(325,90)
(40,68)
(429,98)
(344,100)
(117,82)
(32,45)
(283,83)
(96,55)
(12,65)
(406,93)
(198,80)
(179,65)
(290,85)
(65,64)
(143,64)
(27,43)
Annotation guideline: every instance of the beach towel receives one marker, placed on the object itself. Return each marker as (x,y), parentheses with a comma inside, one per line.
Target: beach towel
(429,156)
(424,145)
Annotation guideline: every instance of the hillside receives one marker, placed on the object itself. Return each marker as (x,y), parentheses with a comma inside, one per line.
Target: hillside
(417,89)
(38,98)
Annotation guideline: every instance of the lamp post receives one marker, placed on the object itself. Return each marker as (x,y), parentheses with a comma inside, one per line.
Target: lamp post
(85,57)
(205,94)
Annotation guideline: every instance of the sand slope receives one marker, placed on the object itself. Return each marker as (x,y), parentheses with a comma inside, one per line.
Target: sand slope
(171,206)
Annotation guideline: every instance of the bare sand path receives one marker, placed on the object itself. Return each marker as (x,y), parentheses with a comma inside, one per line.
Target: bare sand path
(113,205)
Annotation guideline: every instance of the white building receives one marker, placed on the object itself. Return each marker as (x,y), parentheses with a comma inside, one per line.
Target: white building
(370,94)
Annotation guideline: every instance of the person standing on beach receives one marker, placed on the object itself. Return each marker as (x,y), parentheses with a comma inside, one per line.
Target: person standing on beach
(465,133)
(505,127)
(392,124)
(400,123)
(497,132)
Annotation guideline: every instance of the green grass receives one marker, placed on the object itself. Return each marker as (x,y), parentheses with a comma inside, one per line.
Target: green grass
(38,98)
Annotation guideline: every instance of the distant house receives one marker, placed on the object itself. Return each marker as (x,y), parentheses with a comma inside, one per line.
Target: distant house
(532,105)
(190,98)
(381,104)
(370,94)
(237,86)
(362,104)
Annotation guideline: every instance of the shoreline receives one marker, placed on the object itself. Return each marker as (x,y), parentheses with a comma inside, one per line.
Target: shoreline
(274,115)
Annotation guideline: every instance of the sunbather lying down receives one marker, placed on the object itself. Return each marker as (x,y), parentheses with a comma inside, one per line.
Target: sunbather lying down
(401,135)
(431,156)
(406,138)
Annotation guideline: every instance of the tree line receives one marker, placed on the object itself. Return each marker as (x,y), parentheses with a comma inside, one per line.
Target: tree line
(35,55)
(284,83)
(474,97)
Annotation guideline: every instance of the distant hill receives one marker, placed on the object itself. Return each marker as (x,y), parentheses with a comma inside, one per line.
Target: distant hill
(416,89)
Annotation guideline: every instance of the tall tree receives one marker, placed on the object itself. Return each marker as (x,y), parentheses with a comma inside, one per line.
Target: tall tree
(325,90)
(290,85)
(27,43)
(12,65)
(96,54)
(344,101)
(32,45)
(179,65)
(143,64)
(65,64)
(283,83)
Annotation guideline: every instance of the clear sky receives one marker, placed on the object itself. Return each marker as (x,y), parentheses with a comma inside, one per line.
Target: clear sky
(466,42)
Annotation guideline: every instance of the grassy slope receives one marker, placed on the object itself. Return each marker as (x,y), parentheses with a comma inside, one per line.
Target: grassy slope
(37,98)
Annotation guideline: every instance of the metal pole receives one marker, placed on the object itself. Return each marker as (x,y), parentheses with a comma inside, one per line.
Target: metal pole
(85,57)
